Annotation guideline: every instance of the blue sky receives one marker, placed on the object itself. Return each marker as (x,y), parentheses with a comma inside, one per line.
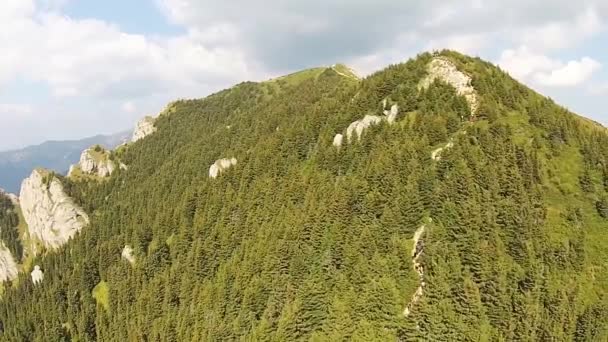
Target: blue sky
(75,68)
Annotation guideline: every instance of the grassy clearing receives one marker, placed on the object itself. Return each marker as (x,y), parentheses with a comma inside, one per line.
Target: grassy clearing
(101,293)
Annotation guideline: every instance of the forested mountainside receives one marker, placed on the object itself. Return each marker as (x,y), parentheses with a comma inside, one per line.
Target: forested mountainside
(55,155)
(435,200)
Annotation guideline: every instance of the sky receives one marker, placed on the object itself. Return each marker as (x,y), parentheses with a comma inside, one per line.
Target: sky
(76,68)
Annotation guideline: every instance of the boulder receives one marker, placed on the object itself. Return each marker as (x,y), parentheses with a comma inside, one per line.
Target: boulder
(220,166)
(37,275)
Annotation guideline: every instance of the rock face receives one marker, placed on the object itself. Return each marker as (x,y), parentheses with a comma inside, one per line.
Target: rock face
(443,69)
(436,154)
(338,140)
(416,253)
(391,115)
(361,125)
(8,265)
(220,166)
(94,161)
(127,254)
(51,215)
(37,275)
(143,128)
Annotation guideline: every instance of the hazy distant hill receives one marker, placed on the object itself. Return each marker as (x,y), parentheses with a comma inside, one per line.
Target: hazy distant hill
(15,165)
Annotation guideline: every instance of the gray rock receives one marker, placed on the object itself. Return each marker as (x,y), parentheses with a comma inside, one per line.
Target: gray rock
(127,254)
(443,69)
(338,140)
(361,125)
(143,128)
(220,166)
(95,163)
(8,265)
(37,275)
(51,215)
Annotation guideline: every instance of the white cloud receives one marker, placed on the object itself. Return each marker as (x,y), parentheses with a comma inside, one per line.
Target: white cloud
(522,63)
(529,66)
(129,107)
(468,43)
(571,74)
(93,69)
(92,57)
(564,33)
(13,109)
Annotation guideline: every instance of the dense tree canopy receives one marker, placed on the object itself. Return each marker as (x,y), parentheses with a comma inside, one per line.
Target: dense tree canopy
(305,241)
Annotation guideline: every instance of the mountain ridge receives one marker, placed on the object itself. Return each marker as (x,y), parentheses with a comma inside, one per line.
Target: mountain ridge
(305,240)
(58,155)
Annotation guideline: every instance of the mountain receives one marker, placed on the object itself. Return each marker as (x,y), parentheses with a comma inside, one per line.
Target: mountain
(435,200)
(16,165)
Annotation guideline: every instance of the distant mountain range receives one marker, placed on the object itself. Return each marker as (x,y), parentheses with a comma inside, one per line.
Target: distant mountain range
(16,165)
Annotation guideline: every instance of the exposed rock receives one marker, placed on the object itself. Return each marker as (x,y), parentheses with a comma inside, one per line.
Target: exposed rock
(37,275)
(391,115)
(8,265)
(144,128)
(436,154)
(94,161)
(345,71)
(443,69)
(220,166)
(127,254)
(51,215)
(360,125)
(416,252)
(338,140)
(14,199)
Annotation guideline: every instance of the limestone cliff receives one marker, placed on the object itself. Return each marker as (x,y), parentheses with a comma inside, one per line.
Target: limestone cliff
(443,69)
(143,128)
(94,161)
(8,265)
(51,215)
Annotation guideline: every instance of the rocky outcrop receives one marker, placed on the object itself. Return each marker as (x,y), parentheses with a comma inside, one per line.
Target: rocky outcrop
(391,115)
(345,71)
(338,140)
(94,161)
(361,125)
(127,254)
(220,166)
(443,69)
(8,265)
(436,154)
(51,215)
(143,128)
(37,275)
(416,252)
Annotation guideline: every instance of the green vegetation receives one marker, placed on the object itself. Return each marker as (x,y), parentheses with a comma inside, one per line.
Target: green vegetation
(9,226)
(304,242)
(100,293)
